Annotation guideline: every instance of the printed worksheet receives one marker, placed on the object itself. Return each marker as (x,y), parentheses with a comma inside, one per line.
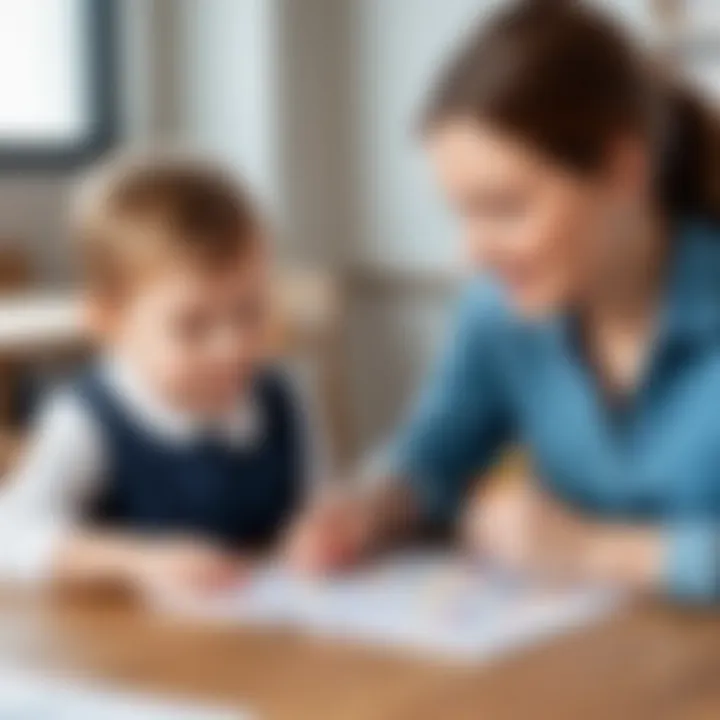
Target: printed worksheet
(30,696)
(427,601)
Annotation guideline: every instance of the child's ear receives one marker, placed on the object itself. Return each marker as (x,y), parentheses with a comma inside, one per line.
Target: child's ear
(99,314)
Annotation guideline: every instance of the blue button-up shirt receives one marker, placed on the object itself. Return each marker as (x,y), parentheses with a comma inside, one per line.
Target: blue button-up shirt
(654,460)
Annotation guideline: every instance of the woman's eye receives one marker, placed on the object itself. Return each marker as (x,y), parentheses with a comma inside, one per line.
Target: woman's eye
(498,206)
(506,207)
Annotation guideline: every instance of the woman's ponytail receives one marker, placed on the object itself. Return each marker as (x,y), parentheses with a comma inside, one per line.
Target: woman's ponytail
(689,159)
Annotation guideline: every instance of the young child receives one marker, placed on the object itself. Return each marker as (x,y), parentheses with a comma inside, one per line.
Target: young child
(178,448)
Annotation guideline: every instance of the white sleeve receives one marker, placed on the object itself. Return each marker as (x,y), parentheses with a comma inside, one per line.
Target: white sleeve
(42,499)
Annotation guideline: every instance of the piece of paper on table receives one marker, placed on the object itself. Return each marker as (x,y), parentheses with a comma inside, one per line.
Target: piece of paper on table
(434,602)
(31,696)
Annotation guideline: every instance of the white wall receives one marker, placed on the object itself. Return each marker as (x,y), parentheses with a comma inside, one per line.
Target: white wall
(261,87)
(33,206)
(405,233)
(226,55)
(400,46)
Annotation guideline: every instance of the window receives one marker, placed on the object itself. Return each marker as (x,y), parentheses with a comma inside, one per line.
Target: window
(57,81)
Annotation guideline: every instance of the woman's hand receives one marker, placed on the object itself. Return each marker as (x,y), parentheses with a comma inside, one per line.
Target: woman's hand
(520,528)
(332,534)
(343,527)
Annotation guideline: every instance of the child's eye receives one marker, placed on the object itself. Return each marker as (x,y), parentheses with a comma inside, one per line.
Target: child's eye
(496,205)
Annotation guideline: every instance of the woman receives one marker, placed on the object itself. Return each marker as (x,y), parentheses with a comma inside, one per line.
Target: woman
(589,194)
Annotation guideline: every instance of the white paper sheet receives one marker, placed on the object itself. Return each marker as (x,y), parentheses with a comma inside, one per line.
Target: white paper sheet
(29,696)
(434,602)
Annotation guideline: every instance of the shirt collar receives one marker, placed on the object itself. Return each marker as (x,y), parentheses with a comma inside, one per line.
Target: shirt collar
(692,308)
(240,427)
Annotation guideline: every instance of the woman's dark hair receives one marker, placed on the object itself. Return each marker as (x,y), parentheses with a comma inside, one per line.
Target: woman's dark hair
(567,79)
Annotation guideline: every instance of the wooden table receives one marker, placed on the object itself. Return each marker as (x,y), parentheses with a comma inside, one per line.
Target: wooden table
(648,663)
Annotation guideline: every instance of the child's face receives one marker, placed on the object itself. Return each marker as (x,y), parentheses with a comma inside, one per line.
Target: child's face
(195,335)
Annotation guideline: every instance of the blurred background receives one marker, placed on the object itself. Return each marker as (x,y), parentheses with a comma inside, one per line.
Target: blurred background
(314,101)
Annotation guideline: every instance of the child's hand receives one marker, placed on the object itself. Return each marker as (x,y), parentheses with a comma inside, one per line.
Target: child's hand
(182,566)
(334,533)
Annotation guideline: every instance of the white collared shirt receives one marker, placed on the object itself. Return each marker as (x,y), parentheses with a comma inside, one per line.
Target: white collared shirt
(243,425)
(65,465)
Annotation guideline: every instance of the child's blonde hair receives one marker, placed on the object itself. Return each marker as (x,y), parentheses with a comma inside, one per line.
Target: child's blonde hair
(133,212)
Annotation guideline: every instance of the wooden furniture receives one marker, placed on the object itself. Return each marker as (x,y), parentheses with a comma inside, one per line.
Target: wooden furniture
(647,663)
(16,274)
(15,270)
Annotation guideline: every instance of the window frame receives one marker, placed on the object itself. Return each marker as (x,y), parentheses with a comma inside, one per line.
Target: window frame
(101,30)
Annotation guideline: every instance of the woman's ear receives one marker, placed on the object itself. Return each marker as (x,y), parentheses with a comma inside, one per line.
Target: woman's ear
(629,170)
